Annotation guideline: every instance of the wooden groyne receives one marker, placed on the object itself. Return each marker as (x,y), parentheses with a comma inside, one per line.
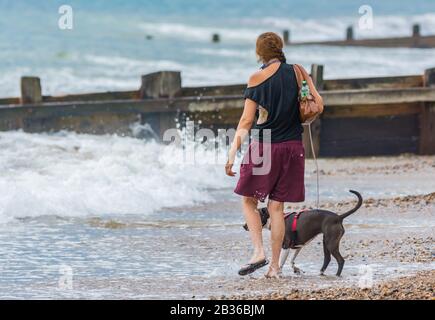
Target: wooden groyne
(363,117)
(415,40)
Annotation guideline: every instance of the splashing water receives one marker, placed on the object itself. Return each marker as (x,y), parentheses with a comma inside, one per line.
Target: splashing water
(69,174)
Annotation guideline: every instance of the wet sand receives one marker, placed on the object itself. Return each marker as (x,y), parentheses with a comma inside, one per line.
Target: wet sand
(416,287)
(395,249)
(393,238)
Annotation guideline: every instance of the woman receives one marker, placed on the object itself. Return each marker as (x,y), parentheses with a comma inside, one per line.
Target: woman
(271,99)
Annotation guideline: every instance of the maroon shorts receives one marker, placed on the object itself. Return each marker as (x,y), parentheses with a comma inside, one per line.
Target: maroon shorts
(275,170)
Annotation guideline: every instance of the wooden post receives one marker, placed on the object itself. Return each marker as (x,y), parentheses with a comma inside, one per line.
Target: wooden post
(349,33)
(416,36)
(215,38)
(286,36)
(317,76)
(31,92)
(429,77)
(162,84)
(427,118)
(159,85)
(416,30)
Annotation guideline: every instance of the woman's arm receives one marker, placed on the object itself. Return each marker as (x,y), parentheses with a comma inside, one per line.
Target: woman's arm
(245,124)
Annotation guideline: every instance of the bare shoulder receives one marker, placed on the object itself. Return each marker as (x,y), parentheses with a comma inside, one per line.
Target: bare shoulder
(262,75)
(255,78)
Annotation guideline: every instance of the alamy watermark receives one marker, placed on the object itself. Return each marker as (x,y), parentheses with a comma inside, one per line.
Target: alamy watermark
(65,277)
(189,144)
(365,22)
(66,19)
(365,280)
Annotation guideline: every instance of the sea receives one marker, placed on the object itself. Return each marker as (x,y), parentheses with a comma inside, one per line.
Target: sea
(112,43)
(86,216)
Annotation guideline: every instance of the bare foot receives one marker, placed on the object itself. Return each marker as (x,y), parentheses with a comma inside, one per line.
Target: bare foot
(274,273)
(256,258)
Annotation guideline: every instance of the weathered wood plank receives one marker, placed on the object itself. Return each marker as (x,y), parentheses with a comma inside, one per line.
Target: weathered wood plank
(398,42)
(160,84)
(427,129)
(388,135)
(429,77)
(376,110)
(381,96)
(236,89)
(375,83)
(31,90)
(12,118)
(9,101)
(427,118)
(99,96)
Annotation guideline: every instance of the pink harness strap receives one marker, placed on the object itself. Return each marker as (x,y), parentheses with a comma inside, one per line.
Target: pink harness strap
(295,220)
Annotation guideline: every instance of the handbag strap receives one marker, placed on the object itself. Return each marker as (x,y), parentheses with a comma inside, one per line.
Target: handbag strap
(298,74)
(301,75)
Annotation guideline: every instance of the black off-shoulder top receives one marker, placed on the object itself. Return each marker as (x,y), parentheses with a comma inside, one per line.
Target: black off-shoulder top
(279,96)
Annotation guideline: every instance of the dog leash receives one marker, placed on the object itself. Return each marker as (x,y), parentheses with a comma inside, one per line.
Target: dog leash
(315,159)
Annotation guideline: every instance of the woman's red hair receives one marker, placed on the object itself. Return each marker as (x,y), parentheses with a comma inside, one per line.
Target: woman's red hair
(269,46)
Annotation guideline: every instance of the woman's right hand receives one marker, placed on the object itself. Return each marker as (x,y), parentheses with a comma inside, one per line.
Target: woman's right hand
(229,168)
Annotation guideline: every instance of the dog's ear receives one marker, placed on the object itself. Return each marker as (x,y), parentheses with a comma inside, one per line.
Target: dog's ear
(245,226)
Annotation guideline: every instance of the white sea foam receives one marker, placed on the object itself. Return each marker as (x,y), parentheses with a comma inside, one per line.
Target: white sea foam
(231,61)
(334,28)
(130,64)
(198,33)
(302,29)
(68,174)
(231,53)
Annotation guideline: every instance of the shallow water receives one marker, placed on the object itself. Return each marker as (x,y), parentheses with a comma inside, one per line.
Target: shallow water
(127,225)
(149,256)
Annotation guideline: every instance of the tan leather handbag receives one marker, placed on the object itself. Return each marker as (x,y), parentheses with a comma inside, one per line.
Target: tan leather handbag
(313,106)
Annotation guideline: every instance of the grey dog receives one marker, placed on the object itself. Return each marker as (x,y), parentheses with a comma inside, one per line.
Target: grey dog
(309,224)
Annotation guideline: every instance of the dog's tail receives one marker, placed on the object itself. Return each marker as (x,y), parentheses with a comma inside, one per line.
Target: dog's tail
(358,205)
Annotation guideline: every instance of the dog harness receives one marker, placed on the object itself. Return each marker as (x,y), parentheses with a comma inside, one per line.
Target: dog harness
(293,234)
(295,221)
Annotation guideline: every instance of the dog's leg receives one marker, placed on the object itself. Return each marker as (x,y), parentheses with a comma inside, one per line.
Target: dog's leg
(295,269)
(340,260)
(332,241)
(283,257)
(326,258)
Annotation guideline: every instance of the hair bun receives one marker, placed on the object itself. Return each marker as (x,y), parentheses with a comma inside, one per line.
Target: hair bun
(269,46)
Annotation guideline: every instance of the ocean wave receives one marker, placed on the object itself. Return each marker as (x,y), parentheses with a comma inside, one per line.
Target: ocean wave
(228,53)
(69,174)
(130,64)
(334,28)
(247,29)
(199,33)
(214,66)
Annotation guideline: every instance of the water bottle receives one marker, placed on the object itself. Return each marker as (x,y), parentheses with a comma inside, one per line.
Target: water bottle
(305,90)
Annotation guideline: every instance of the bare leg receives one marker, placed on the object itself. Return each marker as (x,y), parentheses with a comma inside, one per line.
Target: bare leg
(276,211)
(253,220)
